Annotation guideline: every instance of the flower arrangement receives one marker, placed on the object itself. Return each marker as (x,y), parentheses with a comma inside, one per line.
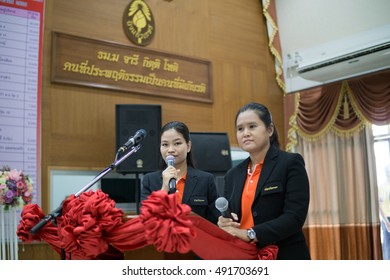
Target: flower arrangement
(15,188)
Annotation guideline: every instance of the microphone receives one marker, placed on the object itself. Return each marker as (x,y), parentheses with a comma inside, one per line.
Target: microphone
(134,140)
(170,160)
(223,206)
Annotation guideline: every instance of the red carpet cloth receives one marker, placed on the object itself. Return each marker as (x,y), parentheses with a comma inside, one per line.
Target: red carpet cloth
(213,243)
(90,223)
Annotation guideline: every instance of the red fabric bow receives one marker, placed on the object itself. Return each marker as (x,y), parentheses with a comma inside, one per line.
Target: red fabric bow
(84,223)
(166,222)
(31,215)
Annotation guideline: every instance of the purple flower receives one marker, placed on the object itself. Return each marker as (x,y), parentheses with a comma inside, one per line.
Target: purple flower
(11,184)
(14,184)
(9,196)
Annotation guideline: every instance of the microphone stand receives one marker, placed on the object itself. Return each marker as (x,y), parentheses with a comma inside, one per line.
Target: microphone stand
(58,211)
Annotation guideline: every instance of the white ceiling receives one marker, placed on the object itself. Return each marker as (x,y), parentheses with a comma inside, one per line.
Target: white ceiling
(307,23)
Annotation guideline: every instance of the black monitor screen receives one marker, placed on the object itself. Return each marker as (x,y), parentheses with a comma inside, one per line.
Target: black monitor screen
(121,190)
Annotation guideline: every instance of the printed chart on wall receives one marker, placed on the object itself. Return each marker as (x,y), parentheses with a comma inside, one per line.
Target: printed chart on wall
(21,38)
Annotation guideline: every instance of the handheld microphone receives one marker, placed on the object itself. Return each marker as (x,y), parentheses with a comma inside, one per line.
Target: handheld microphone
(223,206)
(134,140)
(170,160)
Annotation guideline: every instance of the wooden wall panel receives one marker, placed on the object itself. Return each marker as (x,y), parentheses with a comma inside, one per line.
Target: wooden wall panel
(78,123)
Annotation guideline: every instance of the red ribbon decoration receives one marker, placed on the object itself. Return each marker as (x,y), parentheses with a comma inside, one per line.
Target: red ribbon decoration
(91,224)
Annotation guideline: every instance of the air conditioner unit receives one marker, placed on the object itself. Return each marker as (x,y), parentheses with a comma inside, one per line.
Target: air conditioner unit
(357,63)
(345,58)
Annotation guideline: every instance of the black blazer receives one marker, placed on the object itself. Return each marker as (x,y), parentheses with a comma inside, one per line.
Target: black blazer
(200,191)
(281,201)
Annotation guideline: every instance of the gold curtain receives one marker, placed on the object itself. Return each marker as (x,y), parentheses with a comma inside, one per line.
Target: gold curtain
(269,12)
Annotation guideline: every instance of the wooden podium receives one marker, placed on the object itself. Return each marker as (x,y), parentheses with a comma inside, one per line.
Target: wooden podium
(150,253)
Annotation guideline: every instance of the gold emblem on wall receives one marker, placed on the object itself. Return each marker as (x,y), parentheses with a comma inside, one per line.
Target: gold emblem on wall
(138,23)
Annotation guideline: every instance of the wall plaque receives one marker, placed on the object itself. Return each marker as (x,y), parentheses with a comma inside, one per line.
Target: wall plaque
(138,23)
(102,64)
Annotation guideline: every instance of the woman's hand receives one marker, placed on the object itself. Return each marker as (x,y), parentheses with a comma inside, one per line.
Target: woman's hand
(228,224)
(233,227)
(169,173)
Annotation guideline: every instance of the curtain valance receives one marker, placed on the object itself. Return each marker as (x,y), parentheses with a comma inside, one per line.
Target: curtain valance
(343,107)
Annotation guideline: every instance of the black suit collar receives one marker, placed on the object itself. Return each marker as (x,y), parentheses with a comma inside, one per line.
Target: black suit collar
(268,165)
(190,184)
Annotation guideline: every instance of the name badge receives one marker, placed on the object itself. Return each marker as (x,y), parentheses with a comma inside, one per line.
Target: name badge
(272,188)
(198,200)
